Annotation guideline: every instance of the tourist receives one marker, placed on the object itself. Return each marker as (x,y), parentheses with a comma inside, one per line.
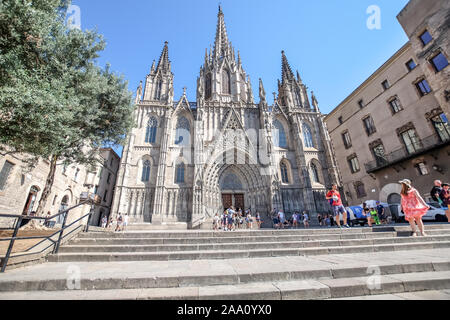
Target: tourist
(125,221)
(249,220)
(231,212)
(236,221)
(258,220)
(381,213)
(328,221)
(281,218)
(320,219)
(337,205)
(366,213)
(305,220)
(275,220)
(435,192)
(224,220)
(295,220)
(445,196)
(104,222)
(119,222)
(216,221)
(413,206)
(374,216)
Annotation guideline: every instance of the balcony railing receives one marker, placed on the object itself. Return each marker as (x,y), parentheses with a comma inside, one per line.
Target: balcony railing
(406,152)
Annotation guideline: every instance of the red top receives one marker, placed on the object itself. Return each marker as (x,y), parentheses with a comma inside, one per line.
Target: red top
(335,193)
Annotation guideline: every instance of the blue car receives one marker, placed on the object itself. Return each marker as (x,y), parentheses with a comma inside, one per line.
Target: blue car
(356,216)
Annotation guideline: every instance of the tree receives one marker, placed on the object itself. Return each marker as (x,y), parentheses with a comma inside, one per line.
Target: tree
(55,102)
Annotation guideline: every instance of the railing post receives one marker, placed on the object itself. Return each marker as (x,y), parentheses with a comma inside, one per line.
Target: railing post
(55,250)
(11,244)
(89,218)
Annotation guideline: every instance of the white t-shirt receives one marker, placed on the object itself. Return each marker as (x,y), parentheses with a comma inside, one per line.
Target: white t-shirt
(281,216)
(305,217)
(125,219)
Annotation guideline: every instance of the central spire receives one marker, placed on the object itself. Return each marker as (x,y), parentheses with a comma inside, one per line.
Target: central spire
(221,44)
(164,63)
(286,71)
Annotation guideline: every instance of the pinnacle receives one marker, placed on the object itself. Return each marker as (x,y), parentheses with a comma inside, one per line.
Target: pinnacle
(286,71)
(164,63)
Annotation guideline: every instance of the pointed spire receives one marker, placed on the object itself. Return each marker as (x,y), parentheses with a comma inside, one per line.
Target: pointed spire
(299,79)
(153,67)
(262,92)
(315,103)
(164,63)
(239,59)
(221,44)
(286,71)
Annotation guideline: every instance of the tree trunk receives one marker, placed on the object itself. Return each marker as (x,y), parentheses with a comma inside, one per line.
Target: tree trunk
(48,187)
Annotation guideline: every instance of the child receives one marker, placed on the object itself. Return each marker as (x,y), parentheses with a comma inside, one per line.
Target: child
(295,220)
(375,218)
(258,220)
(216,220)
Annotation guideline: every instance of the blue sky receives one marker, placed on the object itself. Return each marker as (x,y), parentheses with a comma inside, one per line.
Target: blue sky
(328,41)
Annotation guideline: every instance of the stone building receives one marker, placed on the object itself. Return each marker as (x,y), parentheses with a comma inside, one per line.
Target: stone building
(427,25)
(21,188)
(390,128)
(186,161)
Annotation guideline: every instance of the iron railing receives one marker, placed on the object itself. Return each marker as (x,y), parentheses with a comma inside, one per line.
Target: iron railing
(56,243)
(401,154)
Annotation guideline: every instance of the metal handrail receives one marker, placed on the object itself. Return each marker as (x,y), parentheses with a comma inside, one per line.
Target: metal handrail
(56,243)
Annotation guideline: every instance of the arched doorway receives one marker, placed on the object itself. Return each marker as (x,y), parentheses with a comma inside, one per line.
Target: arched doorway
(394,199)
(31,200)
(233,191)
(64,206)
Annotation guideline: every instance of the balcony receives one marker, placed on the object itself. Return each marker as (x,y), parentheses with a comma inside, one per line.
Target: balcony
(406,152)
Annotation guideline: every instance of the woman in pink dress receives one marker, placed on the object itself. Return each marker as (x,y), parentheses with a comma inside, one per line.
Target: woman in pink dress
(413,206)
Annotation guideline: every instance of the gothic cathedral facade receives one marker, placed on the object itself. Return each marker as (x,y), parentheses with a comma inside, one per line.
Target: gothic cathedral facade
(186,161)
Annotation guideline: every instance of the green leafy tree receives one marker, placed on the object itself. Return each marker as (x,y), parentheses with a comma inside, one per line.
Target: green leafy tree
(55,102)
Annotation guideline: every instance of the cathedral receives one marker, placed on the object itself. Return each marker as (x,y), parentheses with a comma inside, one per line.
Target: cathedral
(186,161)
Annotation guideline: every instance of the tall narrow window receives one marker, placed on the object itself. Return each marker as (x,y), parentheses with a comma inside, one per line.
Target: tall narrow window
(411,65)
(4,174)
(360,189)
(307,135)
(411,141)
(361,104)
(284,173)
(353,163)
(369,125)
(385,84)
(180,173)
(347,140)
(208,87)
(279,135)
(440,123)
(226,87)
(158,90)
(146,171)
(315,173)
(150,136)
(182,133)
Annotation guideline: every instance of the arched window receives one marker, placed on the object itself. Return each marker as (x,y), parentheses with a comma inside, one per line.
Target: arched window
(307,136)
(208,90)
(284,173)
(150,136)
(182,133)
(279,135)
(179,173)
(297,98)
(314,173)
(146,171)
(226,87)
(158,89)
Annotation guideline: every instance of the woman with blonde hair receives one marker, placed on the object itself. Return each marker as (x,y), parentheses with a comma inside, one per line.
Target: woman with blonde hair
(413,206)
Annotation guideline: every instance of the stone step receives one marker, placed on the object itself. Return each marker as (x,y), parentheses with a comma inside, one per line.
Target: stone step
(256,233)
(271,290)
(138,275)
(247,239)
(234,254)
(248,246)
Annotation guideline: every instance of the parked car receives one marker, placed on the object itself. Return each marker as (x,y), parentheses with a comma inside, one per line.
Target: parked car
(435,213)
(356,216)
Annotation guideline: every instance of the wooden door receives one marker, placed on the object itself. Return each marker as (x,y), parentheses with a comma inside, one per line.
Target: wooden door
(227,200)
(239,201)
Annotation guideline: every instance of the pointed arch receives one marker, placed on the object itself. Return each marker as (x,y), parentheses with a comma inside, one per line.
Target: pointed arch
(158,89)
(307,136)
(152,125)
(315,172)
(182,131)
(226,82)
(208,86)
(145,177)
(286,171)
(279,135)
(180,170)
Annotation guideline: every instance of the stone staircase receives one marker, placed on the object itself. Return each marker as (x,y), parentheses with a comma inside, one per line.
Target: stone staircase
(264,264)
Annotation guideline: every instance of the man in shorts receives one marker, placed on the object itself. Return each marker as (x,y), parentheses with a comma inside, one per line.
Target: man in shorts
(337,205)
